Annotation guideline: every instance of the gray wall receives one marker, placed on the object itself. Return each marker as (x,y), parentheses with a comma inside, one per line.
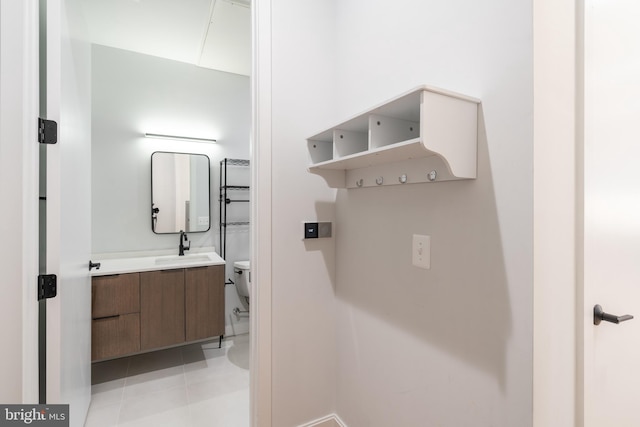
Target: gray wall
(449,346)
(356,328)
(134,94)
(303,299)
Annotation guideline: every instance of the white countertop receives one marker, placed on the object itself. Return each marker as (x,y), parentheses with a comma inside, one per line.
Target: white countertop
(151,263)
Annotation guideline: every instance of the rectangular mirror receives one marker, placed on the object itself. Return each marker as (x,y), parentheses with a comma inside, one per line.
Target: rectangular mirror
(180,192)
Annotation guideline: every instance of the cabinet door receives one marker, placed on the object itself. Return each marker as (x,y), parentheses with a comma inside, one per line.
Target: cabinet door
(115,336)
(161,308)
(204,293)
(116,294)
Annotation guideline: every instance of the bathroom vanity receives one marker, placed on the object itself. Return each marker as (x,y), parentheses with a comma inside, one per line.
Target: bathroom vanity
(145,303)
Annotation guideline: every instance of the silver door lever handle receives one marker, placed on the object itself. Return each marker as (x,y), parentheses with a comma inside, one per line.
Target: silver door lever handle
(599,315)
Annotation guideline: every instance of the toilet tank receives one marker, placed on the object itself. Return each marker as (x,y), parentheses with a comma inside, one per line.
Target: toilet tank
(242,276)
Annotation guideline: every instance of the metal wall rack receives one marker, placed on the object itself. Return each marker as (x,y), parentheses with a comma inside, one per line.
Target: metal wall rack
(230,193)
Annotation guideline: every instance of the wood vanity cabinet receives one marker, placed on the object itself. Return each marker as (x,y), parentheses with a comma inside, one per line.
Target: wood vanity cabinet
(144,311)
(161,308)
(204,293)
(115,309)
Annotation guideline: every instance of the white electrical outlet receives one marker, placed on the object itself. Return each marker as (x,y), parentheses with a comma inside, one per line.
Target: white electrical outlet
(421,252)
(203,220)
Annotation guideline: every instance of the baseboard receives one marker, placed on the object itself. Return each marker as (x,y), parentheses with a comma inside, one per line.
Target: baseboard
(329,421)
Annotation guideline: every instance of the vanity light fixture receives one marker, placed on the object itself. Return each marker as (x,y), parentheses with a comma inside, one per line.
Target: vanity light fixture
(179,138)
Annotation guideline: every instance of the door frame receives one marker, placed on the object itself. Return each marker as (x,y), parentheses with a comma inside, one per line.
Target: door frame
(260,309)
(24,33)
(558,314)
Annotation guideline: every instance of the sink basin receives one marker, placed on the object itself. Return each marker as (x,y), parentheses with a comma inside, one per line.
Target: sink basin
(182,259)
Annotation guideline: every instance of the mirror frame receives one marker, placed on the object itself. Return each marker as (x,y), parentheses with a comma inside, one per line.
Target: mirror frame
(208,192)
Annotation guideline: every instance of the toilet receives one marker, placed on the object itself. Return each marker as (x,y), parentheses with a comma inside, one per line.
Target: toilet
(242,277)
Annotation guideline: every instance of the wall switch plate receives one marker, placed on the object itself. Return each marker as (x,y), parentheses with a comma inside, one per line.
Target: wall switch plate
(203,220)
(314,230)
(421,251)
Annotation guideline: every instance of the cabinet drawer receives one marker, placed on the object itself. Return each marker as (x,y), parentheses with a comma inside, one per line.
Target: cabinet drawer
(114,295)
(115,336)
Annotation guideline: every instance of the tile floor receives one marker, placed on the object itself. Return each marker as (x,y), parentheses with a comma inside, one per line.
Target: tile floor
(191,386)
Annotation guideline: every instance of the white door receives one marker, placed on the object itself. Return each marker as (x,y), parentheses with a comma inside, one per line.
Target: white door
(68,89)
(612,211)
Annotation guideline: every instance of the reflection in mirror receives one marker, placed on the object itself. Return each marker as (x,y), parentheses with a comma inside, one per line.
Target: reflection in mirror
(179,192)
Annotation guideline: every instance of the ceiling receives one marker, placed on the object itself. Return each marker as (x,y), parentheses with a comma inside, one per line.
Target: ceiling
(214,34)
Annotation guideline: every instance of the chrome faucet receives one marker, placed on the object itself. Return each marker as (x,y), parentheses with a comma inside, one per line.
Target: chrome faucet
(182,247)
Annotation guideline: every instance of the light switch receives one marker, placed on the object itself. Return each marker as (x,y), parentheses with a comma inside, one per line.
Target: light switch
(421,251)
(310,230)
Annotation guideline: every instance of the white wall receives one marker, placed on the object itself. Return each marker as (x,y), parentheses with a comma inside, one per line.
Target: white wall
(11,164)
(450,346)
(302,275)
(19,201)
(134,94)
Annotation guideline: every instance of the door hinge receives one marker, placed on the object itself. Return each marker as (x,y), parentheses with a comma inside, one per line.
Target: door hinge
(47,131)
(47,286)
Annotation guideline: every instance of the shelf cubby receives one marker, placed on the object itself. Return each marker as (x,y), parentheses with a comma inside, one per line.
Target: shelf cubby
(384,130)
(347,142)
(320,150)
(424,135)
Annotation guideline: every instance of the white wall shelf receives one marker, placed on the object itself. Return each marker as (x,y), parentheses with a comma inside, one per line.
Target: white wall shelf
(404,140)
